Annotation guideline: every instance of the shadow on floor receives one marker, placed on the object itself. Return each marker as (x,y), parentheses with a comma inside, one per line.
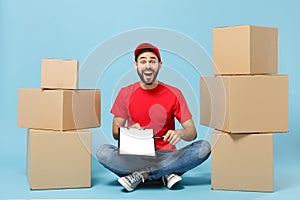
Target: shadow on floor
(199,179)
(196,180)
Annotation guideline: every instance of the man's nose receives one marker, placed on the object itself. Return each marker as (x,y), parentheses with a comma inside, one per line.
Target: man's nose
(147,65)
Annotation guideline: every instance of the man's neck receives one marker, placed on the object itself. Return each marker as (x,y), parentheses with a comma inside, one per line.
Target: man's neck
(149,87)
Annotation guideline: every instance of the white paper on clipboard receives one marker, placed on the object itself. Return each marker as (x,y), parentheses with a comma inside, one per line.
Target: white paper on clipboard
(133,141)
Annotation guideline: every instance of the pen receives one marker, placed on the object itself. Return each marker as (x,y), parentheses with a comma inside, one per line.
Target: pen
(158,137)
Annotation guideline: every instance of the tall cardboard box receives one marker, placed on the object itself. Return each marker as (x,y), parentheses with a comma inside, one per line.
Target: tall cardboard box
(242,162)
(59,74)
(59,159)
(245,50)
(58,109)
(245,103)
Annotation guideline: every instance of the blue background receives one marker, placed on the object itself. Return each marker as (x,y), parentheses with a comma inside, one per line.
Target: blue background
(72,29)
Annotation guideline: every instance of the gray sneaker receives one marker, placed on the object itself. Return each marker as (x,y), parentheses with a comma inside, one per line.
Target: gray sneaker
(131,181)
(170,180)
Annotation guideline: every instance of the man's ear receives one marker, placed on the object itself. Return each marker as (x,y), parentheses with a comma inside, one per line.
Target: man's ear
(160,64)
(135,64)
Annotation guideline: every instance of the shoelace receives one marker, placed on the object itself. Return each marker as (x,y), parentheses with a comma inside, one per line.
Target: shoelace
(133,178)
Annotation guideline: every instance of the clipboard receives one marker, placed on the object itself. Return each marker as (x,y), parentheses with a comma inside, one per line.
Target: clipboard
(133,141)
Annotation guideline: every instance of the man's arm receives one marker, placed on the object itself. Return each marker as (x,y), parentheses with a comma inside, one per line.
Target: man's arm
(117,122)
(188,133)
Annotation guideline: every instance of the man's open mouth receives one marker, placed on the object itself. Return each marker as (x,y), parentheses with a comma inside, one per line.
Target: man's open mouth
(148,74)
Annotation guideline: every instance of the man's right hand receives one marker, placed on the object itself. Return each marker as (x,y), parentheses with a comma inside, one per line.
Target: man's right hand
(137,125)
(117,122)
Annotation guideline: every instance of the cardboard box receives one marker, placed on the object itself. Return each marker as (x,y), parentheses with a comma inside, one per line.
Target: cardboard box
(242,162)
(59,74)
(59,159)
(245,50)
(58,109)
(245,103)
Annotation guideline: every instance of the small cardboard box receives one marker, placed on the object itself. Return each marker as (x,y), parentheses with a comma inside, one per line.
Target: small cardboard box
(59,159)
(245,103)
(242,162)
(245,50)
(59,74)
(58,109)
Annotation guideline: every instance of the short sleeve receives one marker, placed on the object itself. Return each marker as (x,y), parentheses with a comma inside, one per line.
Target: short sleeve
(181,110)
(120,105)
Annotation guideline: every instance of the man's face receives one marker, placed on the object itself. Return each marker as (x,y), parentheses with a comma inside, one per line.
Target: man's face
(148,67)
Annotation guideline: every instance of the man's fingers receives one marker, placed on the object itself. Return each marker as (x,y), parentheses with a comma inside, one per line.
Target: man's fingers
(167,136)
(137,125)
(175,139)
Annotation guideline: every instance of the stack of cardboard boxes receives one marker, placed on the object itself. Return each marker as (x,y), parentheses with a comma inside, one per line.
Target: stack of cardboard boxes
(57,116)
(245,102)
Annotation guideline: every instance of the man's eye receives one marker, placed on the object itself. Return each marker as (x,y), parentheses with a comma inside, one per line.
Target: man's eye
(152,61)
(143,62)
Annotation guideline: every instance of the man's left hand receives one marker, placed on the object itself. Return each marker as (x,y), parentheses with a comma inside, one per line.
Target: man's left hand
(173,136)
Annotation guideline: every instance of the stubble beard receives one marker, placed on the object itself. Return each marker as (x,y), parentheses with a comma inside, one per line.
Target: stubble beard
(150,81)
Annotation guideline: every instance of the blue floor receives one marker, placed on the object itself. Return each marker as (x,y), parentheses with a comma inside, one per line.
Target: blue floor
(195,183)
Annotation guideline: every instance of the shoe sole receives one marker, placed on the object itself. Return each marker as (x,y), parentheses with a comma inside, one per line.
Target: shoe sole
(125,184)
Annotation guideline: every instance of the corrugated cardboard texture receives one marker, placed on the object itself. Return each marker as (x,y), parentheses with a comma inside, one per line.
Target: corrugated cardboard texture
(59,159)
(245,50)
(242,162)
(58,109)
(245,103)
(59,74)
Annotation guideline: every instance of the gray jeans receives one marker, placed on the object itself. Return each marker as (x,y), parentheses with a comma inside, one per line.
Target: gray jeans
(164,163)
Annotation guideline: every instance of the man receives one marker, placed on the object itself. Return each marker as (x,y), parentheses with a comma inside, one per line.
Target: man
(150,103)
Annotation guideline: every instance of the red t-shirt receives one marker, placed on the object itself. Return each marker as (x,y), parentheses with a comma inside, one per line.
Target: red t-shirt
(155,108)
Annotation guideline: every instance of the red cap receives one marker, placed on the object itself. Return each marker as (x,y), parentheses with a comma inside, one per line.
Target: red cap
(138,50)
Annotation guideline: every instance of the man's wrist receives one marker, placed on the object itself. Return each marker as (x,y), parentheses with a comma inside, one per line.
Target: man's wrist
(181,133)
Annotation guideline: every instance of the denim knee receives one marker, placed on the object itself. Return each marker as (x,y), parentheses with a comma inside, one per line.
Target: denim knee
(204,148)
(104,153)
